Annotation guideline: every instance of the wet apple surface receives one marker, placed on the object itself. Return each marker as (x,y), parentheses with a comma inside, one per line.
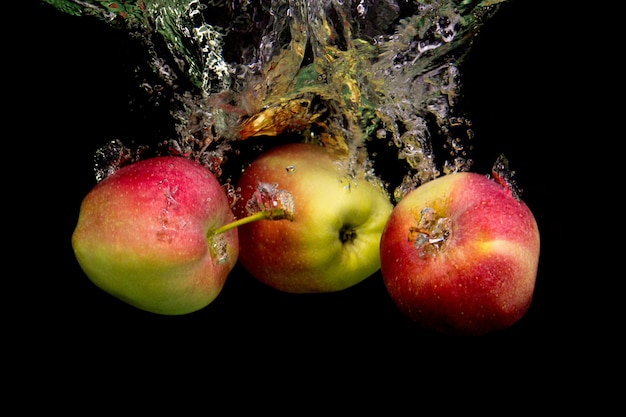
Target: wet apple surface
(147,235)
(460,255)
(332,241)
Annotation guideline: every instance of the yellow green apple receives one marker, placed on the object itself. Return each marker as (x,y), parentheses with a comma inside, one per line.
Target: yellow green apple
(332,240)
(459,255)
(147,234)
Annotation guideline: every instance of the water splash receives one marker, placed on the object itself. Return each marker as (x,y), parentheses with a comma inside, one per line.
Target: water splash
(274,202)
(111,157)
(340,73)
(505,176)
(431,233)
(219,248)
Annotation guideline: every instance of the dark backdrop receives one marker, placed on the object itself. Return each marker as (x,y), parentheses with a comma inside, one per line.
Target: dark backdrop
(75,79)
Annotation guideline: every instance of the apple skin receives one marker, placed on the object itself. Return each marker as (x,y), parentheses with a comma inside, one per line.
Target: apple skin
(143,235)
(306,254)
(482,279)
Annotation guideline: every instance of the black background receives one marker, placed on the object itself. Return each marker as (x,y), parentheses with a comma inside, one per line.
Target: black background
(74,79)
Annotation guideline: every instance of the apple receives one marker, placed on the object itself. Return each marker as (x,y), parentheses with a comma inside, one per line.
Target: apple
(459,255)
(331,241)
(154,234)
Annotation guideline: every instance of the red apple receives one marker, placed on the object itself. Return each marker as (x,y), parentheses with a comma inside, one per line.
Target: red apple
(459,255)
(147,235)
(331,242)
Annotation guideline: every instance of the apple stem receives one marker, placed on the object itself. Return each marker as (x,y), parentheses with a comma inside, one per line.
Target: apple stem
(272,214)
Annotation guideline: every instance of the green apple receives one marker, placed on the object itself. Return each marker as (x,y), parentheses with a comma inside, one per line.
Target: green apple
(332,240)
(459,255)
(150,235)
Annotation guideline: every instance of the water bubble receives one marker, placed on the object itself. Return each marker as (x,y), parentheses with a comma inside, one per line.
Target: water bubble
(232,193)
(361,9)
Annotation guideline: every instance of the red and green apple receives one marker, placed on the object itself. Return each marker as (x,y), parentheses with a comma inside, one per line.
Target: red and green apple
(459,255)
(152,234)
(332,240)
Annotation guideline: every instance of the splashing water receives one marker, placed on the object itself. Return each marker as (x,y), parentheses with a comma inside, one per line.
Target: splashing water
(112,156)
(274,202)
(431,233)
(505,176)
(219,248)
(341,73)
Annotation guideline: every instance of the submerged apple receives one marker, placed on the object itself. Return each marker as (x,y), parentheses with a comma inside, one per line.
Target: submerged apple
(459,255)
(147,234)
(332,240)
